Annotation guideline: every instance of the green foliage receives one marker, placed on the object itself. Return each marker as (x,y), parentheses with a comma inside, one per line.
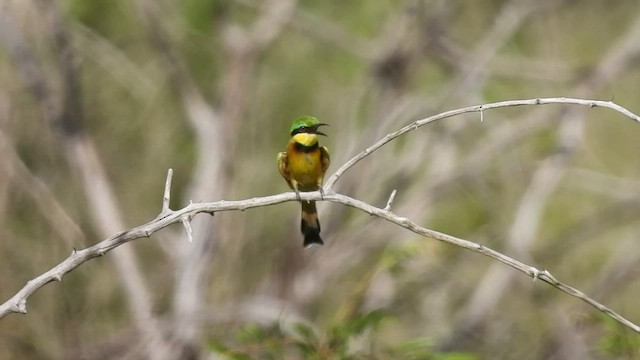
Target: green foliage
(458,175)
(198,14)
(618,341)
(303,341)
(422,349)
(395,257)
(253,342)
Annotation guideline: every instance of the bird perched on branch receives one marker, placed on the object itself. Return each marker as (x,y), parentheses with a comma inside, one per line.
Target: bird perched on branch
(303,165)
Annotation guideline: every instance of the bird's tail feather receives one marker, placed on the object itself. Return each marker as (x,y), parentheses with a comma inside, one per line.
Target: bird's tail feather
(310,225)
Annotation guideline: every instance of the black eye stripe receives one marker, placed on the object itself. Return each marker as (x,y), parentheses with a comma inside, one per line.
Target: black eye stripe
(302,129)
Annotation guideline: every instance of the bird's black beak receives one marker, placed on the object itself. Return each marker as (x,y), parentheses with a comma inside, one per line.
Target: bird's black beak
(320,132)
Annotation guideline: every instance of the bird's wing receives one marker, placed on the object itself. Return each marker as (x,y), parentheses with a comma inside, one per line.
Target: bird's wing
(283,166)
(324,158)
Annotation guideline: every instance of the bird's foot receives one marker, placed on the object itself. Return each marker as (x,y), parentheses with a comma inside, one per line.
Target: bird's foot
(321,189)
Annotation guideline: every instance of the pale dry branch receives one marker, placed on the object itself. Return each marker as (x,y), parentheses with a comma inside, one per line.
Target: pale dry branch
(276,14)
(526,224)
(522,234)
(332,34)
(207,180)
(16,171)
(62,110)
(166,198)
(472,78)
(214,129)
(186,222)
(470,109)
(17,304)
(93,46)
(107,219)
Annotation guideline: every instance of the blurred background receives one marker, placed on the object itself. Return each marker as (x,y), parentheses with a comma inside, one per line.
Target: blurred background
(99,98)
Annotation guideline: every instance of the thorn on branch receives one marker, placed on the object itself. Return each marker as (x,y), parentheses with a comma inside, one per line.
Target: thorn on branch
(186,222)
(548,275)
(166,198)
(21,307)
(390,201)
(535,273)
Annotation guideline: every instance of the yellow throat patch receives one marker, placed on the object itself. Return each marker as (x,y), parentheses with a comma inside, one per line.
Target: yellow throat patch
(306,139)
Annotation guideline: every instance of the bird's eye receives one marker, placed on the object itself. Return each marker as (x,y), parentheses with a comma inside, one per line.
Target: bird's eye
(303,128)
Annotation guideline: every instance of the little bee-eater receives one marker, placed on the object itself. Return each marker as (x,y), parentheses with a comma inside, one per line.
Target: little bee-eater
(303,165)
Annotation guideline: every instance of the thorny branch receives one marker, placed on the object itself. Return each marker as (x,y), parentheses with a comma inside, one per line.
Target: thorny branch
(62,109)
(476,108)
(17,304)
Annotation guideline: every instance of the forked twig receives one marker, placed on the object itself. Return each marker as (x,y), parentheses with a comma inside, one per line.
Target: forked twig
(17,303)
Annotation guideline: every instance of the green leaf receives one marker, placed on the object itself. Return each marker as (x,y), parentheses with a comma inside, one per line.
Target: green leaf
(238,356)
(416,349)
(305,348)
(372,319)
(456,356)
(251,333)
(218,347)
(619,340)
(306,333)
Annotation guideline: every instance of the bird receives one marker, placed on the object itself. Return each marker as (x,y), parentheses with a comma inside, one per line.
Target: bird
(303,165)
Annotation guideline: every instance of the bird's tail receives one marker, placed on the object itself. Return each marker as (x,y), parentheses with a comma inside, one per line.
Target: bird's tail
(310,226)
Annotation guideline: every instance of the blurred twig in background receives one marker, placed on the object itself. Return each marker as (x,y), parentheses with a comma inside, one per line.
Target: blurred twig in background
(99,97)
(168,217)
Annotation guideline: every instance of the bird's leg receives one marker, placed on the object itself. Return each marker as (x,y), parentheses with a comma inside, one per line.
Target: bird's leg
(320,188)
(294,186)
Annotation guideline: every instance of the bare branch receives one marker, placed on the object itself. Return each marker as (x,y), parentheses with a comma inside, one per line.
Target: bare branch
(17,304)
(472,77)
(16,170)
(331,34)
(275,16)
(68,118)
(476,108)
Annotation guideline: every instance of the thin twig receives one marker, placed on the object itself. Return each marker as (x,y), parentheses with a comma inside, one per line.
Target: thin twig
(390,201)
(17,304)
(476,108)
(186,222)
(166,199)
